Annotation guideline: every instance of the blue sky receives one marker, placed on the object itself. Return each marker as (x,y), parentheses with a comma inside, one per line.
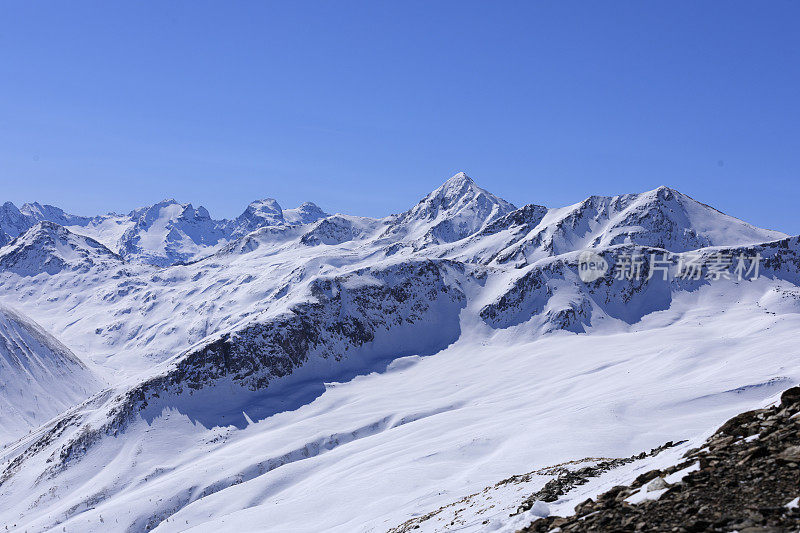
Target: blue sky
(363,107)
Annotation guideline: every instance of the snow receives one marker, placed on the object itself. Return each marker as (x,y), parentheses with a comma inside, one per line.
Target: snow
(562,397)
(341,373)
(40,376)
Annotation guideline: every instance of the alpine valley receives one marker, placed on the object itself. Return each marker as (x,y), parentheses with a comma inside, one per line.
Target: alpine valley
(441,369)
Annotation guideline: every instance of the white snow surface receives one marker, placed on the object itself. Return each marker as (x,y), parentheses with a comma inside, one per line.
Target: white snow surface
(40,376)
(341,373)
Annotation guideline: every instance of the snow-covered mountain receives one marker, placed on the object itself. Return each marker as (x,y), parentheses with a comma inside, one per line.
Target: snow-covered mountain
(49,248)
(49,213)
(377,370)
(456,210)
(12,222)
(40,376)
(661,218)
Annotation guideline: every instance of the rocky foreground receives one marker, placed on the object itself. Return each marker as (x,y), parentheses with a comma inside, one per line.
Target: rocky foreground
(746,478)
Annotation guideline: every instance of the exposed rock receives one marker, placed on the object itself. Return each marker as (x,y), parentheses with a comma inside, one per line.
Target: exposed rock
(748,474)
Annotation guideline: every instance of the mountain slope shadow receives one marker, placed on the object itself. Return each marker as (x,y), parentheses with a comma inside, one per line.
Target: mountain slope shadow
(357,324)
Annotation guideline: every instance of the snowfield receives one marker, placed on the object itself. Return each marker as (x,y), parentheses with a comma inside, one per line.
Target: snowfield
(292,371)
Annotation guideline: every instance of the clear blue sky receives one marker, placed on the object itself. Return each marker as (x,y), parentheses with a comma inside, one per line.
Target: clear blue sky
(363,107)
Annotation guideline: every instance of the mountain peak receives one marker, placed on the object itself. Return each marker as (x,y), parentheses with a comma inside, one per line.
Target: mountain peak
(456,209)
(307,213)
(457,185)
(259,213)
(458,191)
(666,193)
(459,179)
(51,248)
(265,205)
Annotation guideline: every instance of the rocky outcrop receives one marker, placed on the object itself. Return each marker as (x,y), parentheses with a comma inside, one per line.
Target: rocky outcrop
(747,479)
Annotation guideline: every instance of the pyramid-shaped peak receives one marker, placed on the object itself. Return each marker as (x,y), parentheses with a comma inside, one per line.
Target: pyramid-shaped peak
(456,185)
(461,189)
(460,178)
(456,209)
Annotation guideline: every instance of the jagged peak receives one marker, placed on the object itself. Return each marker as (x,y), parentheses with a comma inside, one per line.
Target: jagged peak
(659,193)
(176,210)
(166,202)
(666,193)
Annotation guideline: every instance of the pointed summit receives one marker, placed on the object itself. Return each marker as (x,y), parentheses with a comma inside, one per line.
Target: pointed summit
(460,189)
(455,210)
(457,182)
(455,187)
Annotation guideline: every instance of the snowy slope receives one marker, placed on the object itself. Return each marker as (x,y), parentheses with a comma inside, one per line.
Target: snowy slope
(40,376)
(370,453)
(342,373)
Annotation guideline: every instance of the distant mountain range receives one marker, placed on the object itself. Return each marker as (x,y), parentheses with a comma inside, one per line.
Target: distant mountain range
(162,234)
